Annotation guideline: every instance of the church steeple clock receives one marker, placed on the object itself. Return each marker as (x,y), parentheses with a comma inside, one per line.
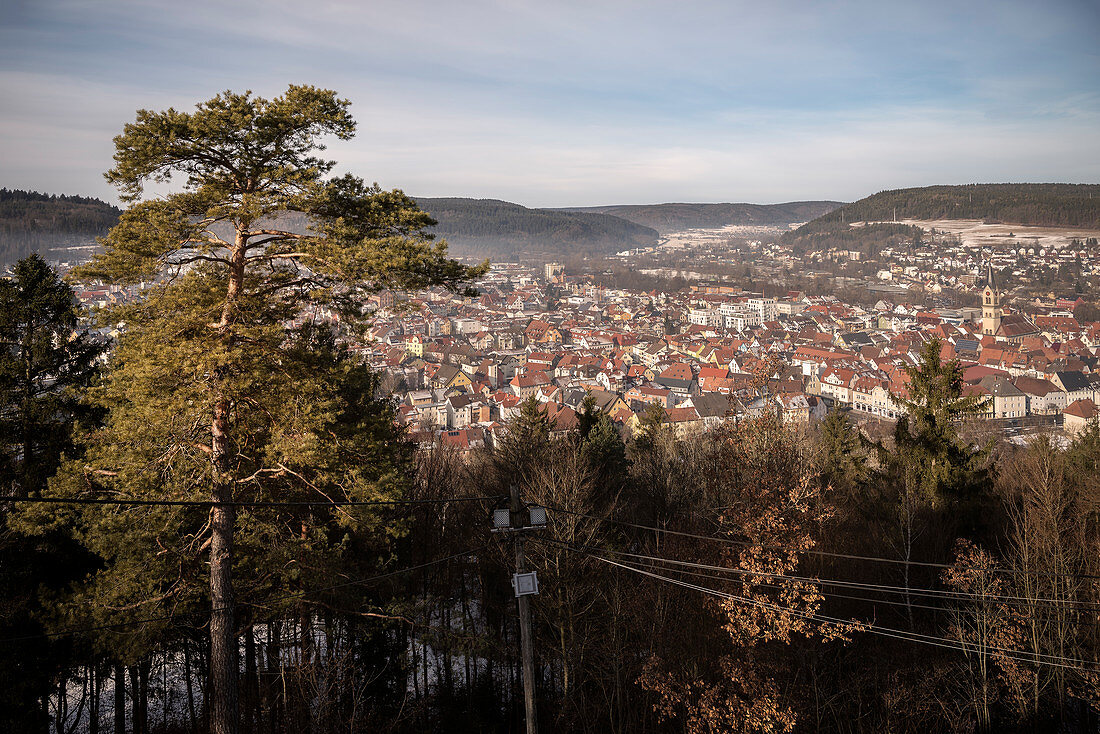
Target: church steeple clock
(991,305)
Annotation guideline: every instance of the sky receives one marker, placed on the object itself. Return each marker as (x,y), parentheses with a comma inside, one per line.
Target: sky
(562,103)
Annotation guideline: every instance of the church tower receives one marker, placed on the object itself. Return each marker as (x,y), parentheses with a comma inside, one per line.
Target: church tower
(991,305)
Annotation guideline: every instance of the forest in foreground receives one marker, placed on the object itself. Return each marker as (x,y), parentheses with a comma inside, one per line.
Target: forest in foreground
(756,578)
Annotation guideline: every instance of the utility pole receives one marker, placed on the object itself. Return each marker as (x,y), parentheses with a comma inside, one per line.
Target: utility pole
(527,645)
(519,520)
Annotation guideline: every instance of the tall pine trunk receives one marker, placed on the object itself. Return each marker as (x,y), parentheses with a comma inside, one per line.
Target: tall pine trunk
(223,636)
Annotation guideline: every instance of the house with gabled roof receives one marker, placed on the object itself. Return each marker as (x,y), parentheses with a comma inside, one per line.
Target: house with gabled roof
(799,408)
(563,419)
(1079,415)
(682,421)
(450,377)
(463,439)
(641,395)
(834,382)
(679,378)
(1043,396)
(872,395)
(1005,400)
(527,384)
(609,402)
(1075,384)
(542,332)
(714,408)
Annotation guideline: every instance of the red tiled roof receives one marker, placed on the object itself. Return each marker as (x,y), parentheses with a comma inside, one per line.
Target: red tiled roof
(1083,408)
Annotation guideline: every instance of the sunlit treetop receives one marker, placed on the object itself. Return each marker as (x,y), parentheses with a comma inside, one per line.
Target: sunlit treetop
(252,193)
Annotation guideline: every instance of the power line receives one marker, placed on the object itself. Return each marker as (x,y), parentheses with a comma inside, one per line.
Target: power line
(1013,654)
(288,597)
(812,552)
(235,503)
(947,594)
(776,587)
(835,620)
(826,594)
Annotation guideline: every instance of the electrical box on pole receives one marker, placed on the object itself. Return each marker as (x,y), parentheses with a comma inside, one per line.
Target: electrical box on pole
(525,584)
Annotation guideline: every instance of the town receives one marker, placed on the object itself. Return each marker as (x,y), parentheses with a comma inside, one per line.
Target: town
(460,366)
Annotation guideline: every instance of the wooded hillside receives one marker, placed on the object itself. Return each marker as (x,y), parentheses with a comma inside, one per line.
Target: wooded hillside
(1063,205)
(501,229)
(35,222)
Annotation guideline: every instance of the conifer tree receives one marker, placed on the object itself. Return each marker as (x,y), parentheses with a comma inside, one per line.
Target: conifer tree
(932,475)
(215,392)
(605,452)
(523,446)
(588,416)
(927,436)
(44,367)
(650,424)
(44,364)
(844,465)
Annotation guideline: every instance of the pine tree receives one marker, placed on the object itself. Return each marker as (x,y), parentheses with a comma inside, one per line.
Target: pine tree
(932,476)
(214,393)
(588,416)
(523,446)
(605,452)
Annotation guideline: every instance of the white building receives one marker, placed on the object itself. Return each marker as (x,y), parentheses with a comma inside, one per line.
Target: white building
(764,307)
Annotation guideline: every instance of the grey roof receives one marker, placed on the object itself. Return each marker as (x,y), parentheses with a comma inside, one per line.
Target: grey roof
(672,382)
(999,386)
(458,402)
(1072,381)
(711,404)
(856,339)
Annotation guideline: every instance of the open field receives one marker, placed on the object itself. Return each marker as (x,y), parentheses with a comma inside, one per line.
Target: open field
(691,238)
(976,233)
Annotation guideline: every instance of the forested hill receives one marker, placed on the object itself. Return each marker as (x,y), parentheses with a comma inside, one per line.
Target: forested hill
(34,222)
(1064,205)
(677,217)
(500,229)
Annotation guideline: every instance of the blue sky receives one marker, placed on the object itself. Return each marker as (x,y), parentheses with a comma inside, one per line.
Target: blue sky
(559,103)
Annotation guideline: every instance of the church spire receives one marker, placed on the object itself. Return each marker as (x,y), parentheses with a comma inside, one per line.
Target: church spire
(991,304)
